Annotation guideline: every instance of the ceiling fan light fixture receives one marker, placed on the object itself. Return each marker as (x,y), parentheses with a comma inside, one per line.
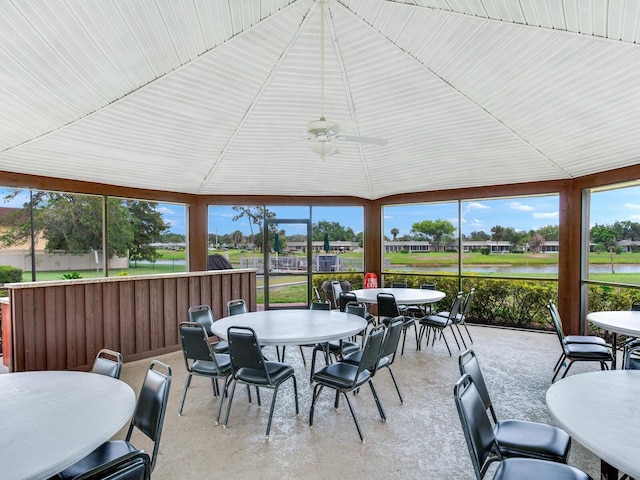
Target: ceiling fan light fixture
(324,149)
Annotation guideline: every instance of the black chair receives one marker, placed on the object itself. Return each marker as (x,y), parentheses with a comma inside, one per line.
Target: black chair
(249,366)
(350,297)
(438,324)
(236,307)
(517,438)
(132,466)
(200,360)
(108,362)
(387,352)
(360,309)
(421,310)
(346,377)
(483,447)
(388,309)
(148,418)
(333,349)
(401,308)
(202,314)
(336,289)
(632,358)
(577,352)
(462,315)
(630,342)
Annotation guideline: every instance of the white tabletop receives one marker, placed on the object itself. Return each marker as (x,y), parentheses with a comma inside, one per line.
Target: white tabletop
(601,411)
(294,326)
(50,420)
(402,295)
(626,322)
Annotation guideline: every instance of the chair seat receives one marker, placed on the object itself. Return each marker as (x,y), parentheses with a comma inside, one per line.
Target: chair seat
(532,469)
(406,322)
(341,348)
(106,452)
(356,357)
(587,350)
(278,372)
(434,321)
(204,367)
(220,347)
(520,438)
(341,375)
(589,339)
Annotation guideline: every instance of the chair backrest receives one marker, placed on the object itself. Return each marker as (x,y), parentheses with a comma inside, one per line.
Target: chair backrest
(635,306)
(477,428)
(467,302)
(346,297)
(392,338)
(632,358)
(245,351)
(387,306)
(557,322)
(468,363)
(336,289)
(195,345)
(428,286)
(203,315)
(371,351)
(398,284)
(131,466)
(236,307)
(151,406)
(108,362)
(455,307)
(356,308)
(320,305)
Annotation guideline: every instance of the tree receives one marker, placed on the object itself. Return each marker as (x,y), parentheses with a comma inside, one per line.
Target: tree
(605,236)
(395,232)
(237,237)
(256,216)
(497,232)
(73,224)
(536,241)
(147,225)
(479,236)
(334,230)
(549,232)
(433,230)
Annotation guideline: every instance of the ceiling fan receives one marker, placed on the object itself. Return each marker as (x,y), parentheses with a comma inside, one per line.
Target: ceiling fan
(323,133)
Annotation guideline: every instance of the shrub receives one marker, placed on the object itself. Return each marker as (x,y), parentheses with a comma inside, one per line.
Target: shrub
(485,250)
(71,276)
(10,274)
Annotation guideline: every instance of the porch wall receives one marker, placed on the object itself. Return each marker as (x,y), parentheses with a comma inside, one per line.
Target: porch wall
(61,325)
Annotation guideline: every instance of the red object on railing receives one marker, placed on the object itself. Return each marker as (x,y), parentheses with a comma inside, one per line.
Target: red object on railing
(370,280)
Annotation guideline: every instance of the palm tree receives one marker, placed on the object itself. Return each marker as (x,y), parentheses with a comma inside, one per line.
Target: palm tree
(394,232)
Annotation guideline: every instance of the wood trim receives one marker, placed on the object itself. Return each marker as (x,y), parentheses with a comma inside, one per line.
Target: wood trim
(61,325)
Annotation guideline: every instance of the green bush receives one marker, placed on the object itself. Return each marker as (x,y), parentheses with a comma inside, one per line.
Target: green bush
(10,274)
(71,276)
(485,250)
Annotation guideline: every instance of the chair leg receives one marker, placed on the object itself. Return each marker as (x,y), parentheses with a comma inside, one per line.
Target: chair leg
(273,404)
(224,392)
(461,337)
(383,416)
(464,324)
(187,382)
(355,419)
(304,360)
(404,338)
(232,382)
(317,389)
(395,383)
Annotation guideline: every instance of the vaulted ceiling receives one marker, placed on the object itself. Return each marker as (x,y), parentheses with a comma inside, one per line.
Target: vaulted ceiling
(214,97)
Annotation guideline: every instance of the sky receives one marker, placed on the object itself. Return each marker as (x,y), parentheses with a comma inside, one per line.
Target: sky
(521,213)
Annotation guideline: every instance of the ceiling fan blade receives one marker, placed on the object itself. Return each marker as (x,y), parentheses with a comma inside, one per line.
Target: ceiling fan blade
(371,140)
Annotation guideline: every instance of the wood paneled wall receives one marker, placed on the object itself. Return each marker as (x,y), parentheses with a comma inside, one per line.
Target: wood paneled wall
(62,325)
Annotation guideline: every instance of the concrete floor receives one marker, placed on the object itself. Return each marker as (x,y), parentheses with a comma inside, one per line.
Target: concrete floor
(422,438)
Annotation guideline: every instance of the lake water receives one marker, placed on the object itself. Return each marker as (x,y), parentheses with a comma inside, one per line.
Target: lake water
(541,269)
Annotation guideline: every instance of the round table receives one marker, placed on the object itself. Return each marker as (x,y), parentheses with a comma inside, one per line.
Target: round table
(294,326)
(600,410)
(625,322)
(50,420)
(405,296)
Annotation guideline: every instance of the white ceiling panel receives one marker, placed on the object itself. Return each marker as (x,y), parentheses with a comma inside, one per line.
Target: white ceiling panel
(215,97)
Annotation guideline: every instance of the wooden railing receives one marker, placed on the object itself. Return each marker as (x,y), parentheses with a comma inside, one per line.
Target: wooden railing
(61,325)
